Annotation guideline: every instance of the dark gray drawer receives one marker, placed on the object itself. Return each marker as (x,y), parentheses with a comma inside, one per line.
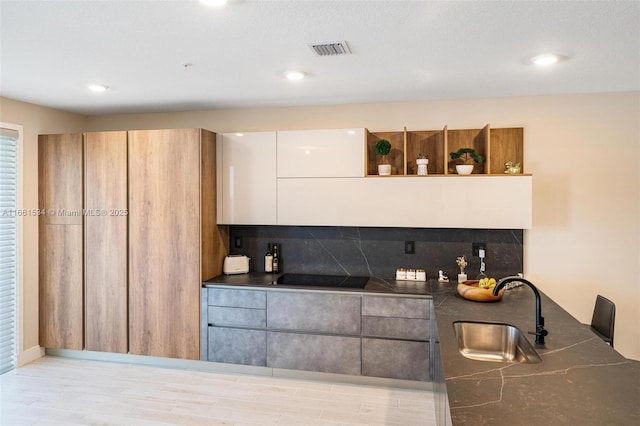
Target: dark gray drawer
(395,359)
(310,352)
(400,307)
(320,312)
(217,315)
(237,346)
(401,328)
(237,298)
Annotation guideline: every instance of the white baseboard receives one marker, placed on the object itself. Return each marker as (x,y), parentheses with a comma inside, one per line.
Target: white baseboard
(217,367)
(30,355)
(184,364)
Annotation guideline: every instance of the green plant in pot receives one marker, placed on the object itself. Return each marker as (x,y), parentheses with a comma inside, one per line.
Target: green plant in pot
(465,157)
(383,147)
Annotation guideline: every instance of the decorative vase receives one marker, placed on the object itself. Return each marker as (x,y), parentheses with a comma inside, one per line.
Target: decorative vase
(384,169)
(464,169)
(422,166)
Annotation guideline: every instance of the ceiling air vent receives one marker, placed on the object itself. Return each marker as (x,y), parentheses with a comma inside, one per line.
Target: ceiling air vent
(331,49)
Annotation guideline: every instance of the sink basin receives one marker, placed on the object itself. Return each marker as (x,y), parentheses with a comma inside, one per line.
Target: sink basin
(496,342)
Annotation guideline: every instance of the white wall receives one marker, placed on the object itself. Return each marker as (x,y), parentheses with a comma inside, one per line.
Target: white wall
(582,150)
(35,120)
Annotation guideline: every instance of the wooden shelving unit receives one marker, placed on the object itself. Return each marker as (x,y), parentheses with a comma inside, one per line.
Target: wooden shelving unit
(496,145)
(505,145)
(468,138)
(429,142)
(395,157)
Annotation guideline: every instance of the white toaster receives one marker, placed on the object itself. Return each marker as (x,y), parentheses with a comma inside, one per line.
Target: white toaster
(236,264)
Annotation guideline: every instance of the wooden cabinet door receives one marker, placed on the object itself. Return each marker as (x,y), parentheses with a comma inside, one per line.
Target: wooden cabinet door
(105,236)
(60,248)
(60,173)
(164,243)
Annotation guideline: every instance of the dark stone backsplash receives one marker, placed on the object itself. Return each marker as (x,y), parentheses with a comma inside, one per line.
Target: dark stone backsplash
(379,251)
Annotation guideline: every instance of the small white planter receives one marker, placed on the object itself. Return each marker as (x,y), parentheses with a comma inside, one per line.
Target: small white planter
(464,169)
(384,169)
(422,166)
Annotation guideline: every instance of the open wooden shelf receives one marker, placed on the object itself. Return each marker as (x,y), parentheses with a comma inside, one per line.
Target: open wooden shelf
(395,157)
(505,145)
(429,142)
(497,146)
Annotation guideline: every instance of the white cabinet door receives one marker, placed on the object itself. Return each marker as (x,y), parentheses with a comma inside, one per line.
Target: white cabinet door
(321,153)
(493,202)
(247,178)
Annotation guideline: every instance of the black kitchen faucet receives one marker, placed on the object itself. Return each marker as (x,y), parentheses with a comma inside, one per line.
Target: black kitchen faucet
(540,331)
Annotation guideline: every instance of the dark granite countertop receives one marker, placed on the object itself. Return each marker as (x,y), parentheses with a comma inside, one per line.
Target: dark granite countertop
(580,381)
(375,284)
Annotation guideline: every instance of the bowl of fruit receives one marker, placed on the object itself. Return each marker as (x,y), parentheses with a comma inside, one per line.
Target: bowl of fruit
(479,290)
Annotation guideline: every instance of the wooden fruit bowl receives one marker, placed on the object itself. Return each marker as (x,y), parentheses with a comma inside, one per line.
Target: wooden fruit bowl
(470,291)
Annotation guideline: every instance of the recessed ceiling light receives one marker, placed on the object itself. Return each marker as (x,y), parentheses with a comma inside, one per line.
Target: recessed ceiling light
(214,2)
(97,88)
(239,134)
(295,75)
(547,59)
(351,132)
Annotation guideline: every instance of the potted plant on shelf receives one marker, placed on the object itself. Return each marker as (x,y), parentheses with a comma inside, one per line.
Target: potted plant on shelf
(422,161)
(465,158)
(383,147)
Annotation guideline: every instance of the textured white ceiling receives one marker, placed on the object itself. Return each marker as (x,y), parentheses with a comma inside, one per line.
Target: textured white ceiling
(402,50)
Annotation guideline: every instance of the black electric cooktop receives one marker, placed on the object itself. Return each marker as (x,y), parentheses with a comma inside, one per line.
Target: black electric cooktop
(347,281)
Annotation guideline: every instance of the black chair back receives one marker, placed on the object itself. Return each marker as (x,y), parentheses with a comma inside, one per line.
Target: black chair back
(603,319)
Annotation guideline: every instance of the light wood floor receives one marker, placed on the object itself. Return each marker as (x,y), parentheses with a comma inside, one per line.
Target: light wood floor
(58,391)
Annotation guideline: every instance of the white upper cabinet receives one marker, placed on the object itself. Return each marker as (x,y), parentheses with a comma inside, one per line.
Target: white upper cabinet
(494,202)
(317,178)
(321,153)
(246,175)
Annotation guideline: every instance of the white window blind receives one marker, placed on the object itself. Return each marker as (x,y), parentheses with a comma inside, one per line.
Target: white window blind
(8,247)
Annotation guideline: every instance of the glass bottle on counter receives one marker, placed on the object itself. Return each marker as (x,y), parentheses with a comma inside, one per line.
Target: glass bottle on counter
(268,260)
(276,259)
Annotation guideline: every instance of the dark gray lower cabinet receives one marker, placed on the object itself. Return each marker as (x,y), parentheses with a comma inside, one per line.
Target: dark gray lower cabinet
(237,316)
(395,359)
(344,333)
(398,307)
(400,328)
(312,352)
(315,312)
(237,298)
(237,346)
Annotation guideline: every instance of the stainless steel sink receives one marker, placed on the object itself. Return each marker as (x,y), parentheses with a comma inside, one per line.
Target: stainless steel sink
(496,342)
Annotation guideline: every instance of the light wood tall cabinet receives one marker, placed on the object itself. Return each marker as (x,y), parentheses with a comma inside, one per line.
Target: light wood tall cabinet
(105,241)
(166,196)
(60,248)
(128,235)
